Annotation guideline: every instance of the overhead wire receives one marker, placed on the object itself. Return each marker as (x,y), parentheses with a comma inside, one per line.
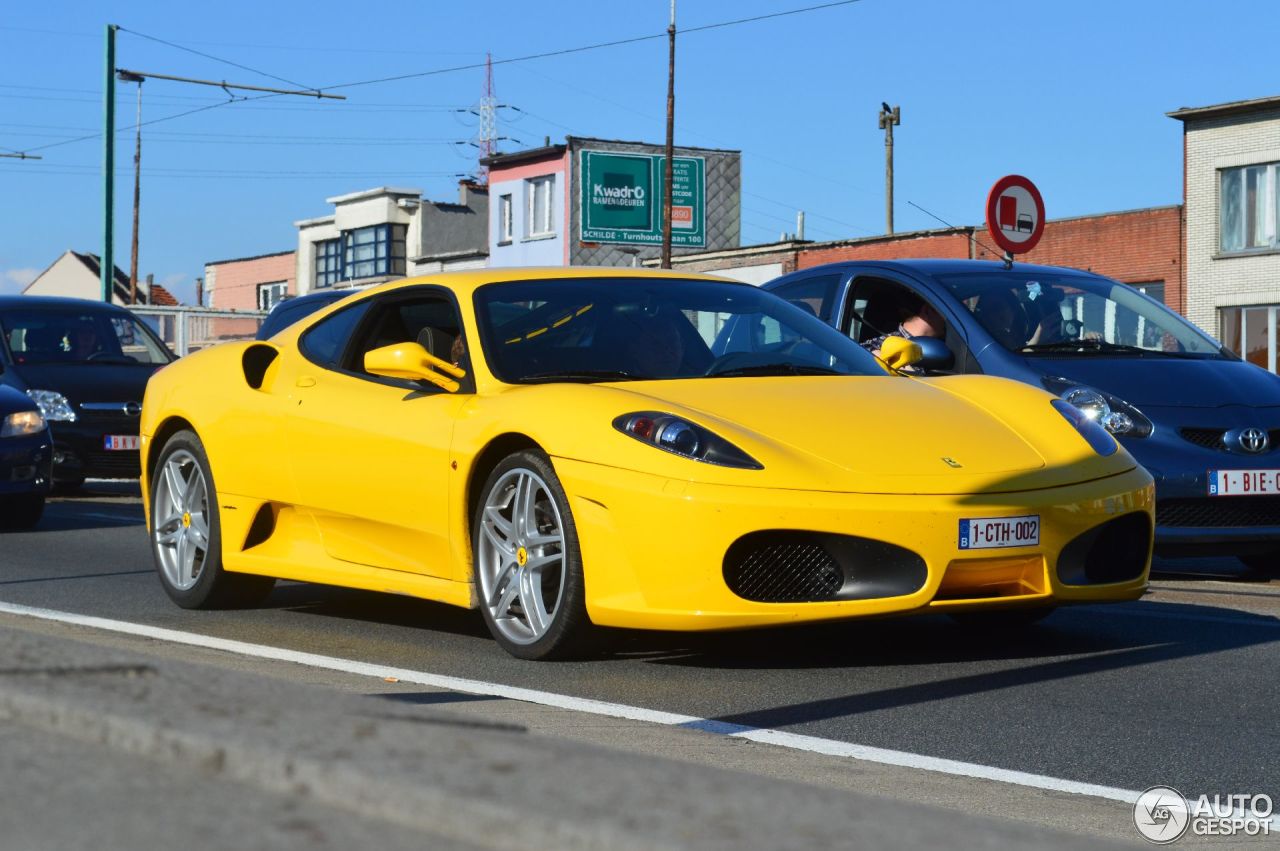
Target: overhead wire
(217,59)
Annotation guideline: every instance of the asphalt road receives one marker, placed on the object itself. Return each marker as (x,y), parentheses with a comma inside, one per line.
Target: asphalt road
(1177,689)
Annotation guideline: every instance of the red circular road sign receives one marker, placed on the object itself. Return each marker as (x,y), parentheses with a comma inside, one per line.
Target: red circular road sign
(1015,214)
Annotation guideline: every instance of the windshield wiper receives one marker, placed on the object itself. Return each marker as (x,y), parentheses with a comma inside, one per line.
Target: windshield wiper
(586,375)
(774,369)
(1103,347)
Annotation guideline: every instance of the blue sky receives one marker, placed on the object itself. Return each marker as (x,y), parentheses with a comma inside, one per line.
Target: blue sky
(1073,95)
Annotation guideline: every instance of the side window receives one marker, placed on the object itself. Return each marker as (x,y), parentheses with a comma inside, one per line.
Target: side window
(324,342)
(878,306)
(817,294)
(430,321)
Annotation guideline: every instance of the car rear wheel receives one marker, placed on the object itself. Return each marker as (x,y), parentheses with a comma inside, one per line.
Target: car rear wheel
(186,534)
(21,512)
(528,566)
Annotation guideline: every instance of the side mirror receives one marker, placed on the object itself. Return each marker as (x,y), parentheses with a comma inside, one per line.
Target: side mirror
(412,361)
(934,353)
(897,352)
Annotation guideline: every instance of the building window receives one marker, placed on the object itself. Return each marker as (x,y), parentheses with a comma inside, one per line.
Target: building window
(1251,333)
(539,221)
(1248,208)
(328,262)
(376,250)
(269,295)
(504,218)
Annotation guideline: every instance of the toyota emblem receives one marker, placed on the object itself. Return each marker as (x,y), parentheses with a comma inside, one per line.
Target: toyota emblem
(1255,441)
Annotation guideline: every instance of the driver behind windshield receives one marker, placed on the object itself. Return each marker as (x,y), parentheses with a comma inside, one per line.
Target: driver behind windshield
(83,340)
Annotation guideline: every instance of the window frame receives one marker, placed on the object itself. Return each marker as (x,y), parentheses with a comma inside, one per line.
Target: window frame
(328,273)
(506,223)
(271,287)
(531,221)
(1269,187)
(1242,328)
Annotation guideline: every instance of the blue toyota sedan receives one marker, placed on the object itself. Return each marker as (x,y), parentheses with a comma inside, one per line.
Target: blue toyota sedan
(1205,423)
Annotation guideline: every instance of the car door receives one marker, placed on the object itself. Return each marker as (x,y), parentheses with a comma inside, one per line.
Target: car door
(878,301)
(369,455)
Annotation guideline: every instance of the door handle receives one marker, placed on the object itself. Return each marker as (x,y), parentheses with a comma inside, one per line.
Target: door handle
(305,381)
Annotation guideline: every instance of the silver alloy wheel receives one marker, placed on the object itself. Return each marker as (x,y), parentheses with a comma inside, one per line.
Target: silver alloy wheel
(521,558)
(180,518)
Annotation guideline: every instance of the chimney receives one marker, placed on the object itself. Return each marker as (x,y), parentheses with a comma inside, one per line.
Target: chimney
(199,292)
(150,280)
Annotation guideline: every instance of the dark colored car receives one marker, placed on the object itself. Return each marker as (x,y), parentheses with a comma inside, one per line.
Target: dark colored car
(26,460)
(86,365)
(295,308)
(1205,423)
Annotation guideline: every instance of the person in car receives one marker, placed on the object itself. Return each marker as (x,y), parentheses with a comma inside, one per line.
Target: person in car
(83,340)
(925,321)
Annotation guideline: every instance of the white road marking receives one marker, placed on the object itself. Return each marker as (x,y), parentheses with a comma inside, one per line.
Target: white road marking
(812,744)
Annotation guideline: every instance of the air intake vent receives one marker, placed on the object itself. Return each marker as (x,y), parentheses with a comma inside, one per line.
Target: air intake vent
(784,566)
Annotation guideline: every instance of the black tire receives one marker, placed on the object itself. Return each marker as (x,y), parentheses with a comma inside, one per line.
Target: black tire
(566,635)
(21,512)
(1002,619)
(213,588)
(1262,565)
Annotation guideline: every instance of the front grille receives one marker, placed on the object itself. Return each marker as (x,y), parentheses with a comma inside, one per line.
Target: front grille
(1209,438)
(111,465)
(786,566)
(1221,512)
(788,573)
(1215,438)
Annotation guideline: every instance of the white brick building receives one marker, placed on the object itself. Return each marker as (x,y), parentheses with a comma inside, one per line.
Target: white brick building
(1232,203)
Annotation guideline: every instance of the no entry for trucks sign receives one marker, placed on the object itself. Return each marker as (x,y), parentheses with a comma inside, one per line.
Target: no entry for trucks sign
(1015,214)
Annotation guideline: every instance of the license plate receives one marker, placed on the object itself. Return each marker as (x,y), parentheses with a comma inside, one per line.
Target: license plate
(984,533)
(1243,482)
(118,442)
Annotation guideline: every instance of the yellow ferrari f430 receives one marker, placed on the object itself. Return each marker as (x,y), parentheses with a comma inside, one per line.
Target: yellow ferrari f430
(570,448)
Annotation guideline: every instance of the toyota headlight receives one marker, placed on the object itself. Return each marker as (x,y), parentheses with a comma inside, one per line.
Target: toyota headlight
(1112,413)
(681,437)
(53,405)
(22,423)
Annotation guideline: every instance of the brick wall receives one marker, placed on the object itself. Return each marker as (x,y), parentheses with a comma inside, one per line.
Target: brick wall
(952,244)
(234,283)
(1137,247)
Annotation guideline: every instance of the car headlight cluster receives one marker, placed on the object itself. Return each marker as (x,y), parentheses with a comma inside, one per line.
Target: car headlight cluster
(53,405)
(1094,434)
(681,437)
(1114,414)
(22,423)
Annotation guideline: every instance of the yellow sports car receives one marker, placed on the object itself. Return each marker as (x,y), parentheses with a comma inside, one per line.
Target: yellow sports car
(564,448)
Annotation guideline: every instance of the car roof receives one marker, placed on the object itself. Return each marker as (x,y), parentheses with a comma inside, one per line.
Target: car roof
(49,302)
(466,282)
(952,266)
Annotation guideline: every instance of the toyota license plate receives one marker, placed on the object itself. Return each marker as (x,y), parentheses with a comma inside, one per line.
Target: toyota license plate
(119,442)
(1243,482)
(983,533)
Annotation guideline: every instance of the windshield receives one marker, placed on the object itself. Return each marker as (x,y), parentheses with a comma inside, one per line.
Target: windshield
(620,329)
(79,336)
(1039,313)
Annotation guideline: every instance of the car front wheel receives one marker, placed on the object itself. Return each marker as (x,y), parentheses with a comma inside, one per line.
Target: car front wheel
(186,534)
(528,566)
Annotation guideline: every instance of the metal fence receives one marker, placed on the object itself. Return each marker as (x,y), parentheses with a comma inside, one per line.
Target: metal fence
(189,329)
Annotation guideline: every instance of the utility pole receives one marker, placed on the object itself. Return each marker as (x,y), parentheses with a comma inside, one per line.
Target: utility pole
(671,135)
(889,117)
(106,262)
(127,77)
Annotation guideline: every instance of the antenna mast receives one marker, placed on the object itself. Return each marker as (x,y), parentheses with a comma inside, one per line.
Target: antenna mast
(488,120)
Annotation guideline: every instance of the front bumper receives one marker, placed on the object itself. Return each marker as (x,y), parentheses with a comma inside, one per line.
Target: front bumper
(654,549)
(80,453)
(26,464)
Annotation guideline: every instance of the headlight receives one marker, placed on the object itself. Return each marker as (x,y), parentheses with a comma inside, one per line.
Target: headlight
(54,406)
(1096,436)
(1115,415)
(23,422)
(681,437)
